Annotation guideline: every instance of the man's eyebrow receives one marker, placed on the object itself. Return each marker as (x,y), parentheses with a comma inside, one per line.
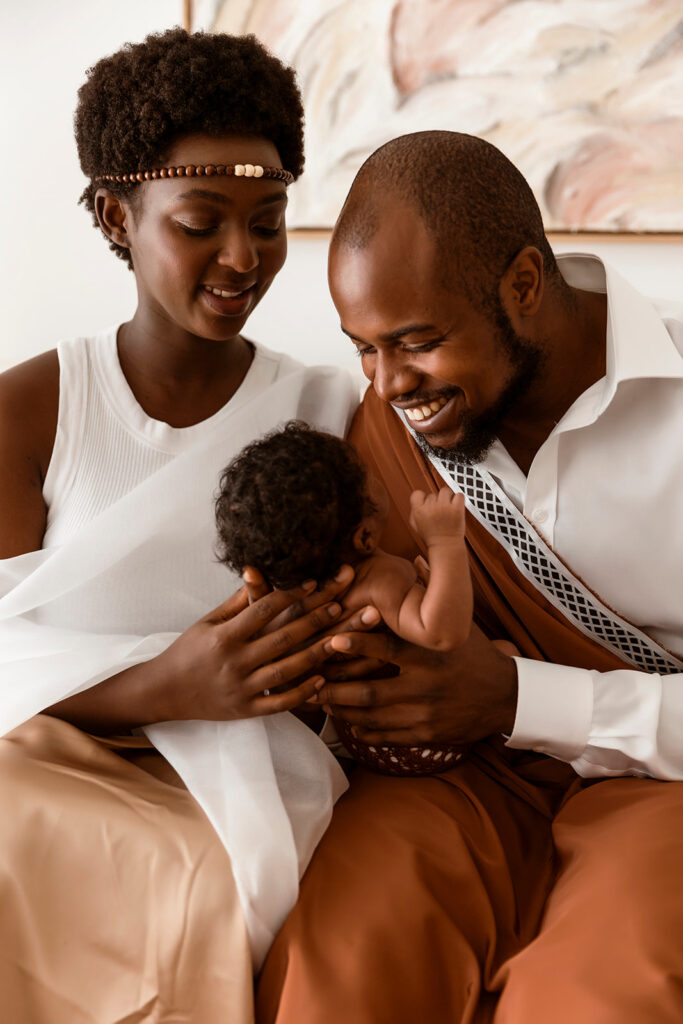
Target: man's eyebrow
(400,332)
(220,197)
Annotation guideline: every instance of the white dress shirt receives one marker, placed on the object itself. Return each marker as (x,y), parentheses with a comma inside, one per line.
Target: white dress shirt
(605,491)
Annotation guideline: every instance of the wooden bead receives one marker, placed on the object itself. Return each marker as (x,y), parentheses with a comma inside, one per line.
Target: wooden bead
(163,173)
(189,171)
(180,172)
(171,172)
(220,168)
(209,170)
(199,169)
(148,175)
(139,176)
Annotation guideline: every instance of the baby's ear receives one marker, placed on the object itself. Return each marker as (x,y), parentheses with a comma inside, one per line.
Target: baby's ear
(365,537)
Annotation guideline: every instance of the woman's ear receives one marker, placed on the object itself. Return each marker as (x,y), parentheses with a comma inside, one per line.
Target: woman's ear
(365,537)
(113,216)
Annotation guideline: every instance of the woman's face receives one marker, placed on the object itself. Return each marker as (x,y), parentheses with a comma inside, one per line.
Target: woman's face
(205,250)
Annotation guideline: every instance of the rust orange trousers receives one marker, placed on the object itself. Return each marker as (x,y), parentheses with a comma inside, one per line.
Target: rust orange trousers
(505,891)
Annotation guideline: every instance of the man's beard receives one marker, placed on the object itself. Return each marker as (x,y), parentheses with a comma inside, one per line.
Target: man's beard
(480,432)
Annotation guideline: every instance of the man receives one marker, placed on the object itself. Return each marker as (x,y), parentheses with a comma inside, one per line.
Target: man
(518,887)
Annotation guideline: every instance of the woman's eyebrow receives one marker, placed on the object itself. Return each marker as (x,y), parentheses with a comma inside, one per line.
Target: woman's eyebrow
(220,197)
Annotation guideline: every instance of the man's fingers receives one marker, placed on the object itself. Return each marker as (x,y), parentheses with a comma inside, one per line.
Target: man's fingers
(359,621)
(354,668)
(381,646)
(364,693)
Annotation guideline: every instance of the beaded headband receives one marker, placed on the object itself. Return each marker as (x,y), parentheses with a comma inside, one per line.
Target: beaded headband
(198,170)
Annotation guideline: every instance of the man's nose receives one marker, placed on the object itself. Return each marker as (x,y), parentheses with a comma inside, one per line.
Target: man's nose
(393,376)
(238,251)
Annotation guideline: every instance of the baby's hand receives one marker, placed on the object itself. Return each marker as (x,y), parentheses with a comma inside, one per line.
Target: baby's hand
(438,518)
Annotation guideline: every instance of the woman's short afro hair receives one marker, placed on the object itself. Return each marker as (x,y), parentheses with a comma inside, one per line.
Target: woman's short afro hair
(289,504)
(139,101)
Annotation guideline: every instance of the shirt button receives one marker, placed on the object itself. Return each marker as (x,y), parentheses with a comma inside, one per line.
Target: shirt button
(539,515)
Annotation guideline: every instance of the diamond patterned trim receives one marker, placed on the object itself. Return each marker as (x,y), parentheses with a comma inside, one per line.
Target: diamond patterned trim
(494,510)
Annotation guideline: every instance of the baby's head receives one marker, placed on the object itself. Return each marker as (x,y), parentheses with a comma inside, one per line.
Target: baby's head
(297,505)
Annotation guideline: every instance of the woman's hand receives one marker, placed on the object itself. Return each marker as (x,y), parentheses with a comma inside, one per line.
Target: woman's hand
(436,697)
(220,667)
(231,664)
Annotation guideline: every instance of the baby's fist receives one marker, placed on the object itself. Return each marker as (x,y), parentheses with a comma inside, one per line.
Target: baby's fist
(438,518)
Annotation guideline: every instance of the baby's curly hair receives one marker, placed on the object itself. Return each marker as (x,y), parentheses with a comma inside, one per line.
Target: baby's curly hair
(139,101)
(289,505)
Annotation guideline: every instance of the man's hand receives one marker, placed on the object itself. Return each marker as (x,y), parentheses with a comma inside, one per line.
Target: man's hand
(437,697)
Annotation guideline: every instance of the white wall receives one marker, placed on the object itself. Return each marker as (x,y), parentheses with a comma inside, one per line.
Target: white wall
(57,275)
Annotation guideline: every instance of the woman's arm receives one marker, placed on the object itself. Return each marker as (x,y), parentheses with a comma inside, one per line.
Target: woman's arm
(216,669)
(219,668)
(29,400)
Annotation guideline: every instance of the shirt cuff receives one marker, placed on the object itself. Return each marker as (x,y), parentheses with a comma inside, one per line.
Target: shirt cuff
(554,709)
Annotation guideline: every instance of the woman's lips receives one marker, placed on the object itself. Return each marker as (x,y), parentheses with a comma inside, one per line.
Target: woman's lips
(228,303)
(436,416)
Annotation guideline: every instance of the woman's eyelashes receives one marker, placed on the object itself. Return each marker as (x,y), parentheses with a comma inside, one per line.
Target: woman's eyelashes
(262,230)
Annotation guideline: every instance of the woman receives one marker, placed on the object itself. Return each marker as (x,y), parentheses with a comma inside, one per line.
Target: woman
(120,901)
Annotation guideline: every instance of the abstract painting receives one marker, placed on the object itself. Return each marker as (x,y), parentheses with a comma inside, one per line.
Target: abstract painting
(584,96)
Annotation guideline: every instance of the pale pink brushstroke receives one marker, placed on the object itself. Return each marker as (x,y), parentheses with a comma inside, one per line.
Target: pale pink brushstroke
(612,181)
(425,38)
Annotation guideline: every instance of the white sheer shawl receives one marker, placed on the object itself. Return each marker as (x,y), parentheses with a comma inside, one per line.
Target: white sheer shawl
(267,785)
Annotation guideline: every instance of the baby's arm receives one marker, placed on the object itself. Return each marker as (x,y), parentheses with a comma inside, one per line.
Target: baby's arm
(439,617)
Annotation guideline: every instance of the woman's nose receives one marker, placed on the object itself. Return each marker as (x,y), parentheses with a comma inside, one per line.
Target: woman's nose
(238,251)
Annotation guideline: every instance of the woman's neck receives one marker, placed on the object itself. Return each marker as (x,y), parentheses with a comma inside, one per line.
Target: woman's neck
(176,377)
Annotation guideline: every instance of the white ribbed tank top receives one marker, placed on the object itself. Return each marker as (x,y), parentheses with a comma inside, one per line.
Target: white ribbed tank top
(105,446)
(105,442)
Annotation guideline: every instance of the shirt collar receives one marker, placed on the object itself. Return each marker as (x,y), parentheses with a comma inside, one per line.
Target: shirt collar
(638,345)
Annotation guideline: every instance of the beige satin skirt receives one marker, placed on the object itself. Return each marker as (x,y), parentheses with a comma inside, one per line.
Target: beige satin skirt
(117,901)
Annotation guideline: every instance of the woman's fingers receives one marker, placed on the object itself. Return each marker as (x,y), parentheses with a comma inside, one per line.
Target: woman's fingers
(263,614)
(331,590)
(274,703)
(255,583)
(274,645)
(229,608)
(277,674)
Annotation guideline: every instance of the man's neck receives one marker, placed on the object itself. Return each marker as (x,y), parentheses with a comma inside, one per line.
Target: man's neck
(576,360)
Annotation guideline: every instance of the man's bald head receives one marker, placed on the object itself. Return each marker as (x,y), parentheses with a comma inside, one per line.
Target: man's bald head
(476,203)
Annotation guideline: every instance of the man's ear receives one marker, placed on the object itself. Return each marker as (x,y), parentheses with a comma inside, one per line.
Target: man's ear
(365,537)
(521,287)
(113,217)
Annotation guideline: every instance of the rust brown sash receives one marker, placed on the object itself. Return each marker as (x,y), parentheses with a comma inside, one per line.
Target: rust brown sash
(507,604)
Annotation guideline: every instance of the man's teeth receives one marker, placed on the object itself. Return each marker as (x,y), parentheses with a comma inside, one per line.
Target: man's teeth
(221,292)
(423,412)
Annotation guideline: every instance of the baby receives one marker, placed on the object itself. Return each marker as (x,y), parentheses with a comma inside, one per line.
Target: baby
(298,504)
